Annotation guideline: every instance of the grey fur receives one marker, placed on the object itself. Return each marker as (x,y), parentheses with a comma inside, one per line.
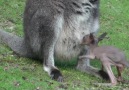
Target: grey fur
(55,26)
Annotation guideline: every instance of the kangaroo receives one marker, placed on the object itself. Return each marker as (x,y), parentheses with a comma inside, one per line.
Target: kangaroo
(108,55)
(54,29)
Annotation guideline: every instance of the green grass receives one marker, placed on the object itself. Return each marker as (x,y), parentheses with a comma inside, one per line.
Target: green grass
(17,73)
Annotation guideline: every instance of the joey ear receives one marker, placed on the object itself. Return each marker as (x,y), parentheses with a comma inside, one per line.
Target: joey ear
(102,36)
(92,38)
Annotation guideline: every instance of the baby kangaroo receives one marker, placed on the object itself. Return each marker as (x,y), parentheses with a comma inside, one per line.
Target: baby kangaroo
(108,56)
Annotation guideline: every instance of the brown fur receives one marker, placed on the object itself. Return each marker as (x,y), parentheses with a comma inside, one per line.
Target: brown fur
(108,55)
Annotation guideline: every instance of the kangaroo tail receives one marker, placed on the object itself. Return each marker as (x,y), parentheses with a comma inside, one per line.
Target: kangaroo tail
(16,43)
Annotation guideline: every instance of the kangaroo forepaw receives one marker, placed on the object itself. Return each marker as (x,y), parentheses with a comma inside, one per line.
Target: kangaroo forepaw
(56,75)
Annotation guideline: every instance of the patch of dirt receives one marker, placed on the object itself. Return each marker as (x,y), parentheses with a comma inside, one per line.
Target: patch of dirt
(8,24)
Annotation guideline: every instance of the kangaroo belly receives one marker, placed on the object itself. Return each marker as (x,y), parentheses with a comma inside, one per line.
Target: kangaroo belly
(68,45)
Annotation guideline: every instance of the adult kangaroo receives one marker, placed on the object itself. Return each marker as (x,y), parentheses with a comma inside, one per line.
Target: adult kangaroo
(55,28)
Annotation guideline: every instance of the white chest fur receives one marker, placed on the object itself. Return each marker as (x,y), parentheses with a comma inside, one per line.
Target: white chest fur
(68,45)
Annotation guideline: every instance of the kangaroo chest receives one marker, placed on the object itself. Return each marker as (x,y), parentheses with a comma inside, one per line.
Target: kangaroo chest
(75,26)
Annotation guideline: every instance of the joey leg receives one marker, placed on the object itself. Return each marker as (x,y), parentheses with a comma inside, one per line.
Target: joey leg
(84,66)
(87,56)
(119,70)
(110,73)
(103,74)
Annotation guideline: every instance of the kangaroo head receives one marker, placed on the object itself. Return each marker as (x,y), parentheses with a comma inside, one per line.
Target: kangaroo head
(89,39)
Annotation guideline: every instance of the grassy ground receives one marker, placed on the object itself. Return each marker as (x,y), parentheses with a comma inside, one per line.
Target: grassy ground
(18,73)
